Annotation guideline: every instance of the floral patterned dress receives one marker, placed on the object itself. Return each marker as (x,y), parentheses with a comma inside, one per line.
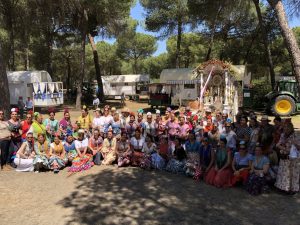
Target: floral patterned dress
(289,169)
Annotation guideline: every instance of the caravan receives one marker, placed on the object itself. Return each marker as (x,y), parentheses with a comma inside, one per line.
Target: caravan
(36,85)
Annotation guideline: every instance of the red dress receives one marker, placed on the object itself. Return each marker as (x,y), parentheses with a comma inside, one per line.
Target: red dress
(25,129)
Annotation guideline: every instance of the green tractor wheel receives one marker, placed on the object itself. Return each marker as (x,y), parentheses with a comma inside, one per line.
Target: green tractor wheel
(283,105)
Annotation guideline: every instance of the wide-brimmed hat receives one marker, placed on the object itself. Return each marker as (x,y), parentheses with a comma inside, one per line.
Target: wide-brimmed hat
(125,110)
(98,109)
(265,118)
(113,109)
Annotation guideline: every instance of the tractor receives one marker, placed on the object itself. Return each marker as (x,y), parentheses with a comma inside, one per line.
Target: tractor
(284,99)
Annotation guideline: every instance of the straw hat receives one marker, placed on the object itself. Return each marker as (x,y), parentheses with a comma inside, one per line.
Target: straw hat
(265,118)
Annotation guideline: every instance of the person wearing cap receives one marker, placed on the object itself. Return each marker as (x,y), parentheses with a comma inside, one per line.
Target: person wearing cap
(230,136)
(149,129)
(288,147)
(220,174)
(257,181)
(14,125)
(125,117)
(5,136)
(266,134)
(58,159)
(241,165)
(51,125)
(85,119)
(109,149)
(25,155)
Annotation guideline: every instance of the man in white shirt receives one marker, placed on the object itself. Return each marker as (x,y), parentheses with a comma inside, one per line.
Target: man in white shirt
(230,136)
(96,102)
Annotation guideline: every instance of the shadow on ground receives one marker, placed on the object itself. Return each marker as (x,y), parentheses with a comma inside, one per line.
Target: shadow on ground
(134,196)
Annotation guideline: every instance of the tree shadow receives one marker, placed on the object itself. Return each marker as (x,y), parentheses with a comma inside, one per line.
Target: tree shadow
(134,196)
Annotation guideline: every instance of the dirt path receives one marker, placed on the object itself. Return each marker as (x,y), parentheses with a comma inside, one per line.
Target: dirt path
(109,195)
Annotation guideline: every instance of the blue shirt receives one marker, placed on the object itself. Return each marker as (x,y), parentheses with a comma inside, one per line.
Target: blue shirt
(192,147)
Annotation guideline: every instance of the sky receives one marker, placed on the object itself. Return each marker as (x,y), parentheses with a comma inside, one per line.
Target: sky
(137,12)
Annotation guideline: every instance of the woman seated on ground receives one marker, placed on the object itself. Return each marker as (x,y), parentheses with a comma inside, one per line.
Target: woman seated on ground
(257,181)
(69,146)
(123,151)
(192,148)
(136,144)
(58,158)
(109,149)
(84,160)
(241,165)
(177,161)
(207,157)
(221,174)
(159,159)
(95,145)
(25,155)
(149,148)
(42,150)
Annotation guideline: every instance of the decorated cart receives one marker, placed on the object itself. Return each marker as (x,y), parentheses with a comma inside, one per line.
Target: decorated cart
(220,85)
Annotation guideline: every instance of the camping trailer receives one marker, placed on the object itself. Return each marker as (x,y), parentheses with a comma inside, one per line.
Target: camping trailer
(37,85)
(184,86)
(131,85)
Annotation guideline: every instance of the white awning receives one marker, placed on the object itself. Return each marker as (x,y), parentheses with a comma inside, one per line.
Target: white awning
(183,81)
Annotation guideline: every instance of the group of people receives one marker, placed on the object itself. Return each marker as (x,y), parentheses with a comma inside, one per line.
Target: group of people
(206,146)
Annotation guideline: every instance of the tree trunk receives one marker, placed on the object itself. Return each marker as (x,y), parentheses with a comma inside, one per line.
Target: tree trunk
(289,38)
(82,65)
(97,68)
(265,42)
(68,75)
(4,91)
(26,59)
(179,34)
(11,45)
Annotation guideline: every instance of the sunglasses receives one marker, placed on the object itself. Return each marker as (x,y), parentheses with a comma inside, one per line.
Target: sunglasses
(29,117)
(29,137)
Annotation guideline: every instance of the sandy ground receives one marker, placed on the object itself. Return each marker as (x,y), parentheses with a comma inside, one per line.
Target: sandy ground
(111,195)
